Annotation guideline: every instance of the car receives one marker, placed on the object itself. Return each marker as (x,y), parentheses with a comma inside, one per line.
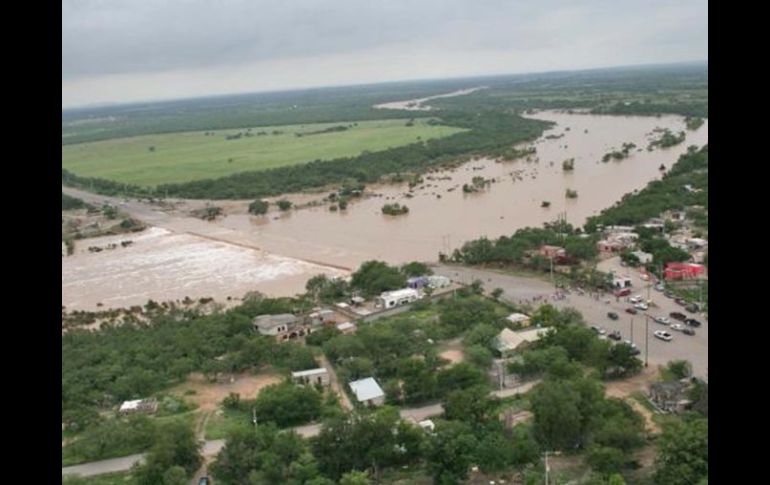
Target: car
(659,287)
(663,335)
(662,320)
(644,276)
(634,299)
(632,311)
(678,316)
(680,301)
(668,294)
(677,326)
(692,322)
(598,330)
(641,306)
(203,481)
(612,316)
(693,308)
(615,335)
(688,331)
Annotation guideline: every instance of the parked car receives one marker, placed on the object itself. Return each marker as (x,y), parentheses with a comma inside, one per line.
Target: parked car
(615,335)
(634,299)
(598,330)
(623,292)
(659,287)
(680,301)
(678,316)
(693,308)
(663,335)
(203,481)
(663,320)
(668,294)
(641,306)
(688,331)
(678,327)
(644,276)
(692,322)
(612,316)
(632,311)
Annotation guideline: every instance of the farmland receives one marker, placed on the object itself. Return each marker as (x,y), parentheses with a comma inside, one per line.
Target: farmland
(182,157)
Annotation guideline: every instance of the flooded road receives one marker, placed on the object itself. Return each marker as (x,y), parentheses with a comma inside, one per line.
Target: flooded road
(275,254)
(419,104)
(441,217)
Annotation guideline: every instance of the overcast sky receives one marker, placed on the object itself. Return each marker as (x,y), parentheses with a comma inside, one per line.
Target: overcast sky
(121,51)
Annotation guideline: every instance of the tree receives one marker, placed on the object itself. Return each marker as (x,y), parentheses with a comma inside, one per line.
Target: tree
(284,204)
(497,293)
(355,478)
(375,277)
(683,453)
(679,369)
(605,460)
(416,268)
(258,207)
(287,404)
(460,376)
(265,455)
(494,452)
(175,446)
(451,450)
(479,356)
(176,475)
(473,405)
(699,395)
(622,362)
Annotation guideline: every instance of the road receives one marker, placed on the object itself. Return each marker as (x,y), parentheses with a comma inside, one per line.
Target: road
(212,448)
(632,327)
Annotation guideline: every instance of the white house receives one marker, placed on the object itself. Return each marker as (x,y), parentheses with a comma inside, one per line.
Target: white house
(149,405)
(643,257)
(283,326)
(390,299)
(368,392)
(621,281)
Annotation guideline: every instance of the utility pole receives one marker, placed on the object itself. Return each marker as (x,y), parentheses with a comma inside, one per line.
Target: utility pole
(254,416)
(546,468)
(646,338)
(632,329)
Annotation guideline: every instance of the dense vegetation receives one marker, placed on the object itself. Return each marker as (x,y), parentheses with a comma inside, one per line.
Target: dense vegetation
(72,203)
(131,361)
(659,196)
(667,139)
(395,209)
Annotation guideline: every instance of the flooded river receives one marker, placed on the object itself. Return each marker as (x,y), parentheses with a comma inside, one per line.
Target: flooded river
(276,254)
(441,217)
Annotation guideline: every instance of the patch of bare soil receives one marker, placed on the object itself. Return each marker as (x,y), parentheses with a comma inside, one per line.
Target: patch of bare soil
(623,390)
(208,395)
(452,355)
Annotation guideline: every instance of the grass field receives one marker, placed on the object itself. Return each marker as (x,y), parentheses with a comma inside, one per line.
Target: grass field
(183,157)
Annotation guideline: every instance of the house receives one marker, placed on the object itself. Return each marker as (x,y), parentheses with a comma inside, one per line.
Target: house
(618,229)
(147,406)
(683,271)
(390,299)
(519,318)
(311,376)
(607,246)
(508,341)
(625,239)
(553,251)
(644,258)
(368,392)
(347,327)
(357,300)
(696,243)
(417,282)
(321,317)
(670,396)
(621,281)
(436,281)
(284,326)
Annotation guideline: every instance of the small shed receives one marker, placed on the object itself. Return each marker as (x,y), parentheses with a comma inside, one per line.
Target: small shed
(417,282)
(508,341)
(644,258)
(311,376)
(391,299)
(368,392)
(147,406)
(519,318)
(347,327)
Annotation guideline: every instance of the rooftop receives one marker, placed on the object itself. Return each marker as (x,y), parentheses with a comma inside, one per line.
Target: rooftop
(270,321)
(399,293)
(366,389)
(510,340)
(309,372)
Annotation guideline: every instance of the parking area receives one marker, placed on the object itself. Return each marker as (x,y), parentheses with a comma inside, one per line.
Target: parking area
(636,328)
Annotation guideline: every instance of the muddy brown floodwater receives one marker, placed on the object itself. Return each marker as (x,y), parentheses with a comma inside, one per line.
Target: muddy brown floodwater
(434,224)
(182,256)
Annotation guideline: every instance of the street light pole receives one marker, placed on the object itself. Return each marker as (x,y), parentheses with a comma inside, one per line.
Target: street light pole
(646,338)
(632,329)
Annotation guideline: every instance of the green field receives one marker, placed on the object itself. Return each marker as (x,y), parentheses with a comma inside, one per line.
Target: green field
(184,157)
